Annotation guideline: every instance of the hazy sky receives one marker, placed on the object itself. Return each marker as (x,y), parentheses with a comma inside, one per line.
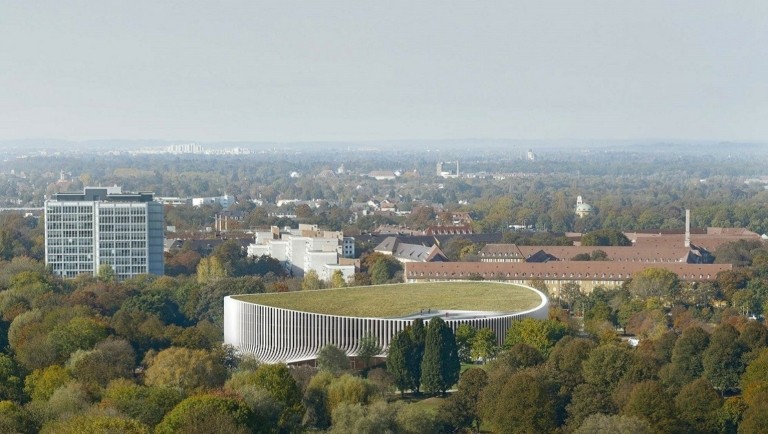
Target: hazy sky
(360,70)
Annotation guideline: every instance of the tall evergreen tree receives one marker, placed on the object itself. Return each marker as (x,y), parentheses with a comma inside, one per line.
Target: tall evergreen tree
(398,363)
(440,366)
(418,336)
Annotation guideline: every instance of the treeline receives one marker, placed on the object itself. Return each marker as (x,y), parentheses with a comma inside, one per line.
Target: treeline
(629,191)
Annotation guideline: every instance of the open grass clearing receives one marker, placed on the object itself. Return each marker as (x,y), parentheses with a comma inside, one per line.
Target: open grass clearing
(394,301)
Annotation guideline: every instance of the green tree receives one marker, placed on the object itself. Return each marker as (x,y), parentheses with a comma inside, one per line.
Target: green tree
(471,385)
(606,365)
(465,334)
(207,413)
(368,349)
(379,417)
(103,424)
(655,282)
(11,383)
(332,359)
(605,237)
(614,424)
(586,401)
(484,344)
(145,404)
(566,359)
(106,273)
(570,292)
(686,363)
(15,419)
(722,360)
(539,334)
(416,356)
(278,381)
(440,366)
(349,389)
(401,347)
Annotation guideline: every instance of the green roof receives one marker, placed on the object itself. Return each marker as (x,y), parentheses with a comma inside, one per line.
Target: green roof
(399,300)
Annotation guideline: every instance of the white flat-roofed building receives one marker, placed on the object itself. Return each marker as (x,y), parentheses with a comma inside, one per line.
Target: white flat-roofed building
(348,271)
(103,225)
(225,201)
(303,249)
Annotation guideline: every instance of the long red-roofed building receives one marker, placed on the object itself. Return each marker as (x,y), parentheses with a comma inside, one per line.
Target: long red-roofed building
(588,274)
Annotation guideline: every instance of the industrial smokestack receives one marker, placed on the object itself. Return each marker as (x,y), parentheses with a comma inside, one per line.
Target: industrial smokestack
(687,228)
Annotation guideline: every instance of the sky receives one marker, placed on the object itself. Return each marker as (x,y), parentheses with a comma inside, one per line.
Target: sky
(361,70)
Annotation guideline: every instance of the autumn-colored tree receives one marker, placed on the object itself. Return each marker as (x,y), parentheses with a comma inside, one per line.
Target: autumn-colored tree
(649,401)
(143,403)
(210,269)
(86,423)
(311,281)
(207,413)
(41,383)
(698,406)
(586,401)
(190,370)
(614,424)
(754,381)
(110,359)
(566,359)
(337,279)
(526,403)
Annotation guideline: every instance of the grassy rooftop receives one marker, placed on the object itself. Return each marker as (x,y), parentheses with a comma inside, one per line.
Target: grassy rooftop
(393,301)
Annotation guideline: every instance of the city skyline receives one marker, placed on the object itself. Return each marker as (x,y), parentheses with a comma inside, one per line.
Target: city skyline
(350,71)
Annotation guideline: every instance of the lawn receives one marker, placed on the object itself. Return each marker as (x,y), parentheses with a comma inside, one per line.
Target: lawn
(394,301)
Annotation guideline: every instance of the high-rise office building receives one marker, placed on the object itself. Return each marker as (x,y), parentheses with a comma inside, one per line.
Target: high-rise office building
(103,225)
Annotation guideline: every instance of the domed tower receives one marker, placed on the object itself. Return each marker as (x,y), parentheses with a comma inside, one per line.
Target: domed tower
(583,209)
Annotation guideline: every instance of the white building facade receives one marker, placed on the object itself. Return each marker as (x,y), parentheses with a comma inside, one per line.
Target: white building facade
(274,334)
(104,226)
(304,249)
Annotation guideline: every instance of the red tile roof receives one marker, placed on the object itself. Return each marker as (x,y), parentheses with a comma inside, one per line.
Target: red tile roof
(557,270)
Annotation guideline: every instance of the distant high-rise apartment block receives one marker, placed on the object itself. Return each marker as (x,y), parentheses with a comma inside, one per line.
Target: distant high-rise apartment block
(186,148)
(103,225)
(443,169)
